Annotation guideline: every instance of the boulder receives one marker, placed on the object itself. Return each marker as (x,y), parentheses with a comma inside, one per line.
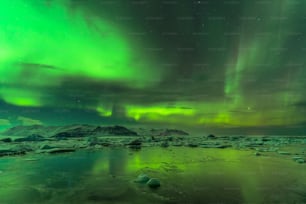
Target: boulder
(142,178)
(153,183)
(211,136)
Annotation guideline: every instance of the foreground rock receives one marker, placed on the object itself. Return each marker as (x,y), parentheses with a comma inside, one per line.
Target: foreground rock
(153,183)
(211,136)
(142,178)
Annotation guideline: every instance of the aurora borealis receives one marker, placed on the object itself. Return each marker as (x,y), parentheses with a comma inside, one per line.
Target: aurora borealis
(215,65)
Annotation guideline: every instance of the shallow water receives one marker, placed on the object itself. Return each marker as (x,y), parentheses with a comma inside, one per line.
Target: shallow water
(187,175)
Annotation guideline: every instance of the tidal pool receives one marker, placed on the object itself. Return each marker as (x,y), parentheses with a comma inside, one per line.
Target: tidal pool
(187,175)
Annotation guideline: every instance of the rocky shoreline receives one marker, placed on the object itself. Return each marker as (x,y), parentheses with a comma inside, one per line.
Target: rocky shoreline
(72,138)
(261,146)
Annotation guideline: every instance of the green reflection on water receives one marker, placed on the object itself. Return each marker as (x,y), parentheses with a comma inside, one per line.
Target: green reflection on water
(187,175)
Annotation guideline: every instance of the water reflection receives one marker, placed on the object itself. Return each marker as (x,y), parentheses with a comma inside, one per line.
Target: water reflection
(187,175)
(117,161)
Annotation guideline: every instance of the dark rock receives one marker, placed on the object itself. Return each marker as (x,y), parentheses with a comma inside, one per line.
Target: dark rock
(74,131)
(266,139)
(156,139)
(211,136)
(220,146)
(5,152)
(257,154)
(6,140)
(60,150)
(177,144)
(251,144)
(114,130)
(165,144)
(234,138)
(301,161)
(63,135)
(153,183)
(21,148)
(142,178)
(46,147)
(31,138)
(105,144)
(9,152)
(135,147)
(193,145)
(223,146)
(135,142)
(83,130)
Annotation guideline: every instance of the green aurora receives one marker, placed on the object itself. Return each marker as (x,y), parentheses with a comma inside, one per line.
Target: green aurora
(197,64)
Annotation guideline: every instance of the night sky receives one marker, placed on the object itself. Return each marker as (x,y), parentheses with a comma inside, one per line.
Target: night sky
(230,66)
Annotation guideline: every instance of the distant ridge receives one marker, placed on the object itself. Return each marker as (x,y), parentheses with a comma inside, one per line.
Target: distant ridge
(83,130)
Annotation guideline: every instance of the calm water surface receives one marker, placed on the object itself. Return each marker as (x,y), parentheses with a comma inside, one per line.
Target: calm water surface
(187,175)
